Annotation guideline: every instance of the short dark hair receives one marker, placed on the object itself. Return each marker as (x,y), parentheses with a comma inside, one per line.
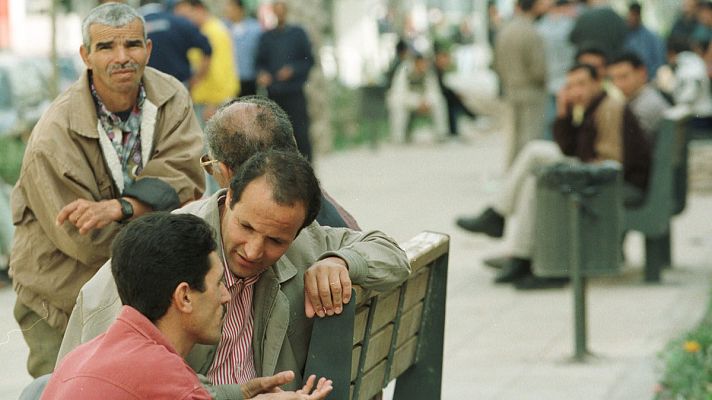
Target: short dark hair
(635,8)
(526,5)
(192,3)
(677,44)
(153,254)
(592,49)
(290,175)
(630,58)
(233,138)
(587,67)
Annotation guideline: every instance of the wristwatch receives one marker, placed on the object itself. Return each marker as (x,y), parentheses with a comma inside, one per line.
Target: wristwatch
(127,210)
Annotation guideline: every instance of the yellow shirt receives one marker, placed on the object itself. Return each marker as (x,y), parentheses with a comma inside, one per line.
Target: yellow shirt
(221,82)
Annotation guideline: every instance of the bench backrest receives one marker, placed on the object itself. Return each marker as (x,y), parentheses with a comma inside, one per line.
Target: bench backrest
(653,217)
(383,336)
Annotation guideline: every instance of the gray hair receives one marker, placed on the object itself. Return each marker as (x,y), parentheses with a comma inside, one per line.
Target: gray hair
(110,14)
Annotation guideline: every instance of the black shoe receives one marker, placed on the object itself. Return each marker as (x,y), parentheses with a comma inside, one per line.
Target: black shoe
(490,222)
(513,270)
(496,262)
(536,282)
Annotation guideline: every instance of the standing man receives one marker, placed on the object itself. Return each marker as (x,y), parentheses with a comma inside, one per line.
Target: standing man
(643,42)
(120,142)
(246,32)
(220,83)
(599,26)
(142,353)
(520,62)
(284,58)
(173,37)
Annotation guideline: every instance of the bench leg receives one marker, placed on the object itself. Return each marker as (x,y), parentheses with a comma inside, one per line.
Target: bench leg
(656,251)
(666,242)
(423,380)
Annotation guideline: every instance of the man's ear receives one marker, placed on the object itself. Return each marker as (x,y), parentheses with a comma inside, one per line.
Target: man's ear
(224,176)
(84,52)
(182,298)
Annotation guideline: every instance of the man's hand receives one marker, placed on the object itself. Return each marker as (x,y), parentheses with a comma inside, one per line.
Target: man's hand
(562,102)
(87,215)
(323,388)
(326,287)
(264,79)
(267,384)
(285,73)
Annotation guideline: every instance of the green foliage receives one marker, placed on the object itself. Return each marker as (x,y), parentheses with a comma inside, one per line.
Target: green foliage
(12,149)
(351,125)
(688,365)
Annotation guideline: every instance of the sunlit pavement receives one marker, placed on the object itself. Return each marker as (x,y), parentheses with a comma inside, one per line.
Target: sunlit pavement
(500,343)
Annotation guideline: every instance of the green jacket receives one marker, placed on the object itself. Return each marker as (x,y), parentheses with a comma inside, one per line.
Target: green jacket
(281,329)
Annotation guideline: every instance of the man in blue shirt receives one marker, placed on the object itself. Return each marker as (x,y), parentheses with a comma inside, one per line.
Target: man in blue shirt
(646,44)
(172,37)
(284,58)
(246,32)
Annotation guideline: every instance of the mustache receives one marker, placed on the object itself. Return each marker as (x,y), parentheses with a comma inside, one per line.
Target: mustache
(127,65)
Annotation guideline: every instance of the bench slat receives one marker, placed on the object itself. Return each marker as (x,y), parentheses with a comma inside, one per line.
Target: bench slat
(410,323)
(404,357)
(378,347)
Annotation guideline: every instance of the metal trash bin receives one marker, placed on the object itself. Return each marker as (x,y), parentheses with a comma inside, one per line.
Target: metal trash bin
(597,189)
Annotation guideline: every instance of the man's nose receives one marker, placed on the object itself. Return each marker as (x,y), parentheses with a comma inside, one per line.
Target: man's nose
(254,249)
(121,54)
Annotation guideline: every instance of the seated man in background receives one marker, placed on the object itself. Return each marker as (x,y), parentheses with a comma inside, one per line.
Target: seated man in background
(606,130)
(281,270)
(630,75)
(415,91)
(171,284)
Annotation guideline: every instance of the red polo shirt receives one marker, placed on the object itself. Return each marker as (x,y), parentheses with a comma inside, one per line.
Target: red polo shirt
(132,360)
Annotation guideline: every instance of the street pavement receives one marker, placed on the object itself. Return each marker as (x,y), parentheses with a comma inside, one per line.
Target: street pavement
(500,343)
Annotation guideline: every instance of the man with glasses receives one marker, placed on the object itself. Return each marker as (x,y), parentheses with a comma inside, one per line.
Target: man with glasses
(238,134)
(122,141)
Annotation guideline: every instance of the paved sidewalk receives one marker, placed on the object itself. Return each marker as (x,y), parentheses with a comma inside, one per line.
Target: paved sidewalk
(500,343)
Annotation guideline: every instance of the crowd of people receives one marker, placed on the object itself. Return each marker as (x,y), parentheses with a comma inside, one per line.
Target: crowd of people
(118,297)
(607,91)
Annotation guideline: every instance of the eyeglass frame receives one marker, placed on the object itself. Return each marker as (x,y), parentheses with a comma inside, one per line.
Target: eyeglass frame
(207,163)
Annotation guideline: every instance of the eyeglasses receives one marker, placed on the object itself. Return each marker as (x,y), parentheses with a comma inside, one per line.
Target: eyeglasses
(207,163)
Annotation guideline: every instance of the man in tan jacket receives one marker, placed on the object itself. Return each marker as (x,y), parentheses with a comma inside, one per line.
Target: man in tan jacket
(120,142)
(520,62)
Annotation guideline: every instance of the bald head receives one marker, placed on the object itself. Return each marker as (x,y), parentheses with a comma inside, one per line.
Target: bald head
(247,126)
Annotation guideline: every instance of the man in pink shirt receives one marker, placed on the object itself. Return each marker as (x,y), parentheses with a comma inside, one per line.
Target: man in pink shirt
(171,282)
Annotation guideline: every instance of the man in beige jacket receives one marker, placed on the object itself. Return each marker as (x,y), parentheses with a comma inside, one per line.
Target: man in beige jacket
(120,142)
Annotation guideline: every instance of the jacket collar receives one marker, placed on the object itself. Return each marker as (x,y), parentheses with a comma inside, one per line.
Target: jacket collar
(83,122)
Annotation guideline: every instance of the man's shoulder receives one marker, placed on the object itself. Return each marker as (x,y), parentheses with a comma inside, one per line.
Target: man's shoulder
(161,87)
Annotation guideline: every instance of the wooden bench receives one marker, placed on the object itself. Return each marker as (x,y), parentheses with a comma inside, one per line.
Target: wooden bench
(393,335)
